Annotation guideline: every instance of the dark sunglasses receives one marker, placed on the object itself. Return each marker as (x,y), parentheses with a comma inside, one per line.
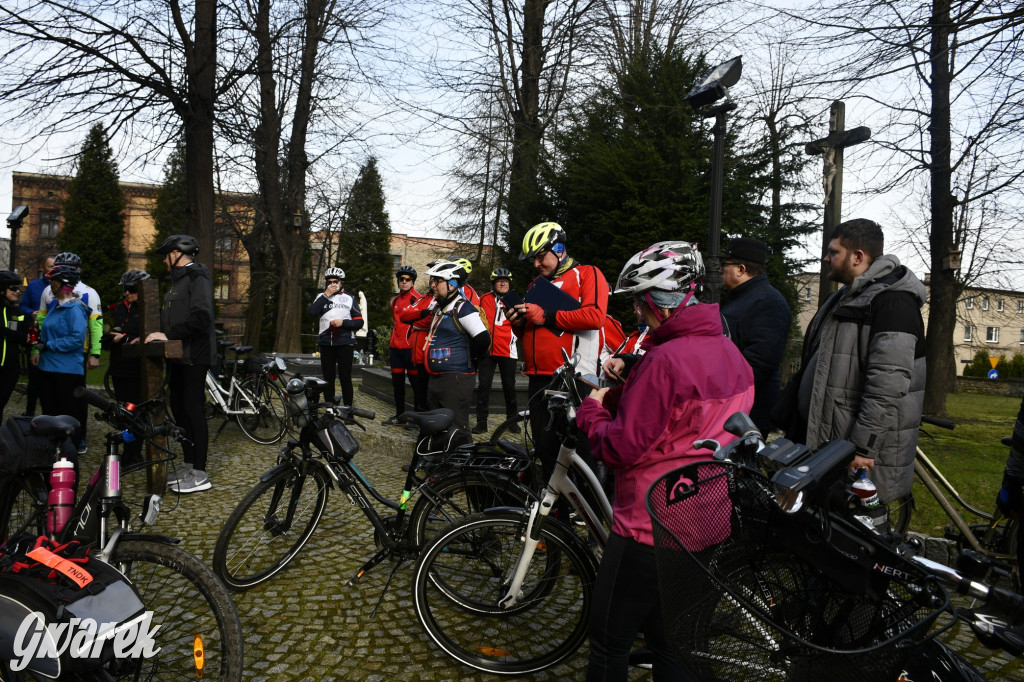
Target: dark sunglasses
(14,287)
(405,279)
(131,290)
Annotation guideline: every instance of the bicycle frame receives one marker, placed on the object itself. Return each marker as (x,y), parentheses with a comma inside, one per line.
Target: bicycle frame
(223,398)
(559,484)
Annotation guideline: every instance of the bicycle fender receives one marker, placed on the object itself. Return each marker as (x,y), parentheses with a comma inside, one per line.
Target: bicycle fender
(274,471)
(150,537)
(552,525)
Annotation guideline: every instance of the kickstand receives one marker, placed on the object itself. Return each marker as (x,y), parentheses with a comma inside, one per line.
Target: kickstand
(386,586)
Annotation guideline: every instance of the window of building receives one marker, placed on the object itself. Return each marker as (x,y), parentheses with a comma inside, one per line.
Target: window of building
(222,287)
(317,258)
(396,261)
(969,302)
(992,334)
(49,223)
(999,305)
(1020,306)
(1022,336)
(984,302)
(968,332)
(807,294)
(224,243)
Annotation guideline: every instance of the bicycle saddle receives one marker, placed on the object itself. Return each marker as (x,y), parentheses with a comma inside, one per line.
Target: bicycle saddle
(224,343)
(433,421)
(61,426)
(242,349)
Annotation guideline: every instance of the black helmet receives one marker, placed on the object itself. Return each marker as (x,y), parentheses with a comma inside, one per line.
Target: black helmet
(66,275)
(8,279)
(132,277)
(67,258)
(187,244)
(501,273)
(406,270)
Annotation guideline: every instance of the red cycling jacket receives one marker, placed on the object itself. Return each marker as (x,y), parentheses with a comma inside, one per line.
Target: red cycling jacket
(418,316)
(577,331)
(401,332)
(503,341)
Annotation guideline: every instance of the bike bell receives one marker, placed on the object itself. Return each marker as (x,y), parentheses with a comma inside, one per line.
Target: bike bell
(298,403)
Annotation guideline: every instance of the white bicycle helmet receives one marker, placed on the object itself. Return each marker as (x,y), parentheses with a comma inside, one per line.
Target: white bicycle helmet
(665,266)
(449,272)
(334,273)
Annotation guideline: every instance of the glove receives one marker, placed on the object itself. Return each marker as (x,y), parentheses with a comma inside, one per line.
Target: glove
(535,314)
(1010,499)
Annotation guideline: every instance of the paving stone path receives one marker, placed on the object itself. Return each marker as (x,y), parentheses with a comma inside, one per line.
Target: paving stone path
(306,623)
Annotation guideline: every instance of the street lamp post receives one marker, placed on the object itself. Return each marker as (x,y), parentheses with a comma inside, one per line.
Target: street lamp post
(712,87)
(14,224)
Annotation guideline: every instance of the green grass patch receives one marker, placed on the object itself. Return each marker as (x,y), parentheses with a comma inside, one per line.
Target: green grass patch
(970,457)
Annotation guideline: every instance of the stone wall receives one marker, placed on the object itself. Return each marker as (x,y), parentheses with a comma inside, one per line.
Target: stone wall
(1008,387)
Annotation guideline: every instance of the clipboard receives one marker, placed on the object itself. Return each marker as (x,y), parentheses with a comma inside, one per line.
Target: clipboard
(511,299)
(549,297)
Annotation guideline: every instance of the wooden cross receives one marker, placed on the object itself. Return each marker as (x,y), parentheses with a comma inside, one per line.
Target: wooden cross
(831,148)
(151,370)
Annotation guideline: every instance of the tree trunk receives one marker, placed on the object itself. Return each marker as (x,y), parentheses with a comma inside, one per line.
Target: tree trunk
(942,305)
(201,69)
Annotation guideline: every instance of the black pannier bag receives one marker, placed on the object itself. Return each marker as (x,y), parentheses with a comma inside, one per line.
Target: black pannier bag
(67,608)
(22,451)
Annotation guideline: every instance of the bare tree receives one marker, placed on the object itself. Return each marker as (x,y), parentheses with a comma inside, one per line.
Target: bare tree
(946,73)
(128,62)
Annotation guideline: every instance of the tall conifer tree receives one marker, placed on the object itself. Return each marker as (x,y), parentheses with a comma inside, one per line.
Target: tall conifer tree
(364,244)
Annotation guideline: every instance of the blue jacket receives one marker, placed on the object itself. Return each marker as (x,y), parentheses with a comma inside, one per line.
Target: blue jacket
(64,331)
(759,322)
(33,292)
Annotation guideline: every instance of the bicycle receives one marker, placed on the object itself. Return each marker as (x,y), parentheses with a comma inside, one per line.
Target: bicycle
(767,572)
(200,634)
(508,591)
(256,402)
(275,519)
(995,537)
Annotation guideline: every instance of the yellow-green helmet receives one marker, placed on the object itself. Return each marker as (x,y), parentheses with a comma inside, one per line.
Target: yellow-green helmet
(464,262)
(540,238)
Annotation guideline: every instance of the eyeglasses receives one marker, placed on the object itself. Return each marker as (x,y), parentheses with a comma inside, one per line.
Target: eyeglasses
(131,290)
(405,279)
(14,287)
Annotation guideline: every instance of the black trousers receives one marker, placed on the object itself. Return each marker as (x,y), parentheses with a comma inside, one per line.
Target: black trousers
(420,384)
(9,377)
(187,384)
(485,377)
(454,391)
(57,396)
(627,601)
(336,363)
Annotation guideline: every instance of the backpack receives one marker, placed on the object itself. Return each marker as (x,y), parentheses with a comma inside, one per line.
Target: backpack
(78,605)
(479,311)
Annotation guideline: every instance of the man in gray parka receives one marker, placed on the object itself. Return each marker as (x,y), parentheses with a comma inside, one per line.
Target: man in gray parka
(863,370)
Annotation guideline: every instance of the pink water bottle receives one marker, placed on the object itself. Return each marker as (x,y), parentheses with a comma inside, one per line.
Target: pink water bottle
(62,495)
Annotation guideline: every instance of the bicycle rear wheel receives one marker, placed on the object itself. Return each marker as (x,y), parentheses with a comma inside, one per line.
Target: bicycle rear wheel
(27,511)
(465,571)
(900,511)
(459,494)
(515,430)
(267,410)
(269,526)
(189,605)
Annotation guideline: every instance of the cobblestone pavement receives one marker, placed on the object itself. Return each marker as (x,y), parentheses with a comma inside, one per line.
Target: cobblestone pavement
(306,623)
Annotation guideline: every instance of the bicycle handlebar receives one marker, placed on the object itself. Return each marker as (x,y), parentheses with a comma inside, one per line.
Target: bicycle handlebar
(94,399)
(120,417)
(936,421)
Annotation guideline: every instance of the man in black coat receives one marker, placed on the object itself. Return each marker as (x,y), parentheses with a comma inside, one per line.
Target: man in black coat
(759,322)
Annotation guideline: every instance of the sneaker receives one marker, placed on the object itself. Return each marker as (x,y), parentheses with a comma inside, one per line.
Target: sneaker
(391,422)
(178,471)
(194,481)
(82,447)
(480,428)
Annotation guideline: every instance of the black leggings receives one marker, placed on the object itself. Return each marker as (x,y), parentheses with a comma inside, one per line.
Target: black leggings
(57,396)
(337,358)
(187,384)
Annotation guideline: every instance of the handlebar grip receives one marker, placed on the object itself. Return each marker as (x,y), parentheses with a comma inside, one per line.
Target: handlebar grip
(94,399)
(360,412)
(936,421)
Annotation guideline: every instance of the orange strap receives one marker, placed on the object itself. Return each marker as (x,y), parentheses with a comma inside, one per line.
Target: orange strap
(68,569)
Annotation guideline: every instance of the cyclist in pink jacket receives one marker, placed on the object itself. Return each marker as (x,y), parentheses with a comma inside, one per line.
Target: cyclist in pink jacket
(689,381)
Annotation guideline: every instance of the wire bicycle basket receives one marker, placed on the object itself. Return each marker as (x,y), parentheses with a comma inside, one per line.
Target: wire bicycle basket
(748,593)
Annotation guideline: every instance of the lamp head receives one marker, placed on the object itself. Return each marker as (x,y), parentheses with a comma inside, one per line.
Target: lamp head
(715,83)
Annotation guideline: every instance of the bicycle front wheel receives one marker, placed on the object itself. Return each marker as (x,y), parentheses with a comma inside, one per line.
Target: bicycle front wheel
(190,606)
(269,526)
(465,571)
(264,410)
(459,494)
